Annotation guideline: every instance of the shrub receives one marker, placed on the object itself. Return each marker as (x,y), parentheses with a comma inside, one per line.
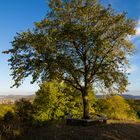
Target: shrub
(4,109)
(24,110)
(135,105)
(115,107)
(8,117)
(54,101)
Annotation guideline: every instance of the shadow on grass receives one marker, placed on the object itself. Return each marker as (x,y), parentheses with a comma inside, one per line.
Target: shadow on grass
(113,131)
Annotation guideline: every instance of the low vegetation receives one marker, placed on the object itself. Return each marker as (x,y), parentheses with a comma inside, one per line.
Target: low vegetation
(53,103)
(116,107)
(135,105)
(5,108)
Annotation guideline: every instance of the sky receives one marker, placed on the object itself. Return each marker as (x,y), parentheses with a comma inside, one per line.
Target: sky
(19,15)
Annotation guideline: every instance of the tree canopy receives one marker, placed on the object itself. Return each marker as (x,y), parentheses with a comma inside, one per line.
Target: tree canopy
(80,42)
(55,101)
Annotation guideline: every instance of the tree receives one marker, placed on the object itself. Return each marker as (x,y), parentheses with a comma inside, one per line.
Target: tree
(80,42)
(55,101)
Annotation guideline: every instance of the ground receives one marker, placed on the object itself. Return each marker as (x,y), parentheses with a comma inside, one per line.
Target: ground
(111,131)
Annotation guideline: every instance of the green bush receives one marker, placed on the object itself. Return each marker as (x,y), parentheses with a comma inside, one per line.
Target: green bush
(115,107)
(135,105)
(8,117)
(24,110)
(54,101)
(4,109)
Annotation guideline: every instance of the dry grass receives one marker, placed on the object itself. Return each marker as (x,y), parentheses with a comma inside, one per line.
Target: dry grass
(115,130)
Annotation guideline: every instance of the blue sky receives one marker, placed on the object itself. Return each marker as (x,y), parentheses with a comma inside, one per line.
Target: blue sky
(19,15)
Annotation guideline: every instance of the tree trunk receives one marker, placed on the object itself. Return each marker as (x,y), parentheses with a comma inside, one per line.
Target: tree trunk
(85,104)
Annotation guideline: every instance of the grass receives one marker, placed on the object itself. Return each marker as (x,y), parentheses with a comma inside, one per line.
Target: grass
(114,130)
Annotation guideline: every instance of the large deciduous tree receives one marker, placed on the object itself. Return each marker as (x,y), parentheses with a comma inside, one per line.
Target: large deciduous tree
(80,42)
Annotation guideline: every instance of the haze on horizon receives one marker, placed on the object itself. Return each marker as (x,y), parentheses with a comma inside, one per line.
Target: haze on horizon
(18,16)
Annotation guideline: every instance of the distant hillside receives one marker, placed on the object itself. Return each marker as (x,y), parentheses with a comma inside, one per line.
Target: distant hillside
(126,96)
(31,97)
(17,97)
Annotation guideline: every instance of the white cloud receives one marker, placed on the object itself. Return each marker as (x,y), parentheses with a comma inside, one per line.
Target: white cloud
(132,69)
(135,39)
(138,29)
(137,80)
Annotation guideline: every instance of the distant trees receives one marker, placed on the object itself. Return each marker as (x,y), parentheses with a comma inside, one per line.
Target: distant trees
(80,42)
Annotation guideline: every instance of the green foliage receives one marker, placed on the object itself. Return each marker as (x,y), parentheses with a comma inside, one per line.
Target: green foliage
(135,105)
(56,100)
(23,110)
(80,42)
(116,107)
(8,117)
(4,109)
(75,34)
